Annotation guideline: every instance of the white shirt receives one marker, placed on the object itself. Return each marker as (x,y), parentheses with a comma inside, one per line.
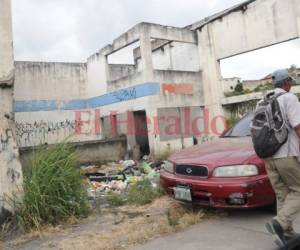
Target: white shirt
(290,106)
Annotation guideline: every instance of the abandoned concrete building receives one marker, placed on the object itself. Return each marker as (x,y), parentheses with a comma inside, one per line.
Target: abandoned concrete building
(158,103)
(168,99)
(174,83)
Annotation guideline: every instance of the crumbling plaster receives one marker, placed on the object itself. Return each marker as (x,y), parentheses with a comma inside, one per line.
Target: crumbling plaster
(10,167)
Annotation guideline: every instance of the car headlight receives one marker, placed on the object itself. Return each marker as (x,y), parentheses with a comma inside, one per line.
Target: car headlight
(168,166)
(236,171)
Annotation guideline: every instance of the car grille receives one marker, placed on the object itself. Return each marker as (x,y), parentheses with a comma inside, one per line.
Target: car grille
(190,170)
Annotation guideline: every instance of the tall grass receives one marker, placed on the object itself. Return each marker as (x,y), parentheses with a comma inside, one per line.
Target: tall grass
(53,188)
(144,193)
(140,193)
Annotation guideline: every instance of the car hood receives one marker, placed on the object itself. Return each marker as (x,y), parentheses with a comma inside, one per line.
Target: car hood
(223,151)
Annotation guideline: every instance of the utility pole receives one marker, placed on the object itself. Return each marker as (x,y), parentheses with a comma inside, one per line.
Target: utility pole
(11,177)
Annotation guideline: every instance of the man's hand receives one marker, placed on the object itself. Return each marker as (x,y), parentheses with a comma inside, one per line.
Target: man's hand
(297,129)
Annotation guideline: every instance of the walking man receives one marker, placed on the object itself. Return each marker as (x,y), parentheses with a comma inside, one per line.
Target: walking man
(284,167)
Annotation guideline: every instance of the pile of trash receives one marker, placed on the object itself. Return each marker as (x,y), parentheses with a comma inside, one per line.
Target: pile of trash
(118,177)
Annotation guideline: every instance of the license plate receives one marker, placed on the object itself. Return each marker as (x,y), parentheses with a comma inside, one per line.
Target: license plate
(182,193)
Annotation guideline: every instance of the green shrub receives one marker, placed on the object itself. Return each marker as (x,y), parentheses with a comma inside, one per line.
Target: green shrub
(239,87)
(247,91)
(239,90)
(116,200)
(143,193)
(53,188)
(264,87)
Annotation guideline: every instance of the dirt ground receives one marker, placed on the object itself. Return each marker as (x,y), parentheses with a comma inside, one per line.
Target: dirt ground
(115,228)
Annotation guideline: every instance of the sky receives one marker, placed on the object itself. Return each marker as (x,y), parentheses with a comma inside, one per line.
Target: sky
(72,30)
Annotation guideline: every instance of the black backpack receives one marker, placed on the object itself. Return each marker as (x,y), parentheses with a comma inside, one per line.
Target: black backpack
(269,129)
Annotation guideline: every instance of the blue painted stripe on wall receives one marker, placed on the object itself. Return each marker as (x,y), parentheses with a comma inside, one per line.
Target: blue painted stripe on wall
(137,91)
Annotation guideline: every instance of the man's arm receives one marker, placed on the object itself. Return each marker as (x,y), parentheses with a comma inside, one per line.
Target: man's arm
(293,113)
(297,129)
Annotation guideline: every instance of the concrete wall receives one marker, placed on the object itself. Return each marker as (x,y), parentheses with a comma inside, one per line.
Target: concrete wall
(274,20)
(10,167)
(93,152)
(35,128)
(38,82)
(175,56)
(117,71)
(51,121)
(180,122)
(125,81)
(59,81)
(6,50)
(97,72)
(40,122)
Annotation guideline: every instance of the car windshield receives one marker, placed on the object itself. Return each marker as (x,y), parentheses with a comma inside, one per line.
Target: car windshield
(241,128)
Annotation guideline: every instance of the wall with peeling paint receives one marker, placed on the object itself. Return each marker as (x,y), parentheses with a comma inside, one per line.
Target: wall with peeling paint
(175,56)
(49,80)
(10,167)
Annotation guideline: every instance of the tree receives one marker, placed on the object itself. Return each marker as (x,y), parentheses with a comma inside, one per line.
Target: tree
(293,67)
(239,87)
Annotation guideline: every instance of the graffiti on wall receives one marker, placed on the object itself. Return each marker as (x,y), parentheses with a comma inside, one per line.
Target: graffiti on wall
(9,156)
(182,88)
(4,139)
(13,175)
(125,94)
(137,91)
(28,132)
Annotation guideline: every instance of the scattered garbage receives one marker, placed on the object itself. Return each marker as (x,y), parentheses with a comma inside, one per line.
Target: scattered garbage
(118,177)
(100,177)
(128,163)
(146,169)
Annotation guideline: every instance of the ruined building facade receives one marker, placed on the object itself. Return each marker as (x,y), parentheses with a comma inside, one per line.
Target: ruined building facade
(171,97)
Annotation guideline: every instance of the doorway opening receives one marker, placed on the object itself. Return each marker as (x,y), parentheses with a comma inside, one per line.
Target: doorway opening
(141,132)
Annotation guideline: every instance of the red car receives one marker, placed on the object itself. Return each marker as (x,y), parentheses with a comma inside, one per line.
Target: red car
(225,173)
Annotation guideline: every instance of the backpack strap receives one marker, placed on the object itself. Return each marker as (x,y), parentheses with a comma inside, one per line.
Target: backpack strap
(279,94)
(272,95)
(287,124)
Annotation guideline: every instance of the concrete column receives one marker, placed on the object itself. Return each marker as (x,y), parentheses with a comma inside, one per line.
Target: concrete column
(296,9)
(10,167)
(146,54)
(97,75)
(298,24)
(132,147)
(211,77)
(155,144)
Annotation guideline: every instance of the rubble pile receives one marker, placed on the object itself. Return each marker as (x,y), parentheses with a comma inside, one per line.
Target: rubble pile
(118,177)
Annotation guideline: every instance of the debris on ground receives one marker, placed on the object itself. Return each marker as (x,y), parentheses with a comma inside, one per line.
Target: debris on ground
(132,211)
(119,177)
